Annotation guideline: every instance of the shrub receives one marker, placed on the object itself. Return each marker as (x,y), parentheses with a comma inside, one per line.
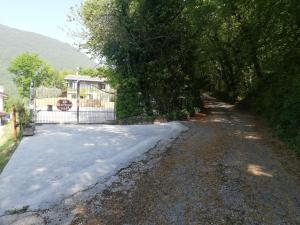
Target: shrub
(280,104)
(128,102)
(21,108)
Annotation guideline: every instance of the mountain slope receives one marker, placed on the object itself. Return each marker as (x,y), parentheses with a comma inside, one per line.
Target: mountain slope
(60,55)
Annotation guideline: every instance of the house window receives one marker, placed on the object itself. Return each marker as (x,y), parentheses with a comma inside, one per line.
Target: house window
(72,84)
(101,86)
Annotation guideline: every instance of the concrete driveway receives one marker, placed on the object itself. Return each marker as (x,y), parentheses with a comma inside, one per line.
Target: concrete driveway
(61,160)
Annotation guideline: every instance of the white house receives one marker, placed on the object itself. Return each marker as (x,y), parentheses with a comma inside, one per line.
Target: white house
(2,97)
(90,87)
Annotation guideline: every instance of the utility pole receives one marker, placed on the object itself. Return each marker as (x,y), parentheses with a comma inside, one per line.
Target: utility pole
(32,94)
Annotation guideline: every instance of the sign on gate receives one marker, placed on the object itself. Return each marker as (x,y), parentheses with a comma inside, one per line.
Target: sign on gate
(86,100)
(64,104)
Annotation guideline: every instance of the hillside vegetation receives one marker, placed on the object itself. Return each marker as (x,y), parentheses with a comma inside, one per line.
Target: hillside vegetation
(14,42)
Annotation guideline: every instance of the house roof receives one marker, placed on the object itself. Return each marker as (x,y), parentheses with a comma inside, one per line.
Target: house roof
(3,114)
(85,78)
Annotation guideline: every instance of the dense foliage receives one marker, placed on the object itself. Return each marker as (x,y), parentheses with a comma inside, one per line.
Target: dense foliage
(164,52)
(29,68)
(150,45)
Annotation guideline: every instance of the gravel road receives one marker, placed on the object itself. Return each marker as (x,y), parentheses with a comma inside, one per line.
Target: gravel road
(227,169)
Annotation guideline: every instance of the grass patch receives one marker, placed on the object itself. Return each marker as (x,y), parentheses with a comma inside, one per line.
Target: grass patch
(7,146)
(17,211)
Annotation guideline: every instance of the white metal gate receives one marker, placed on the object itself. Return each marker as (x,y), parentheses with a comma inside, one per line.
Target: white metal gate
(83,103)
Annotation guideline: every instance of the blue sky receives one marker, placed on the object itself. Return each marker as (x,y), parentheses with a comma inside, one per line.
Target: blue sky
(46,17)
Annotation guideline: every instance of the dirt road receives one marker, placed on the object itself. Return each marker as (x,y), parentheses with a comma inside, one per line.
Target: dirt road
(227,169)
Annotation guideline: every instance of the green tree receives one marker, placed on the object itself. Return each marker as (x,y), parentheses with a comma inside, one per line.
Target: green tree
(26,68)
(150,43)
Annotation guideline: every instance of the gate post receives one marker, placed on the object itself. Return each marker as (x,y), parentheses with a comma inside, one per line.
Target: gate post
(78,100)
(32,103)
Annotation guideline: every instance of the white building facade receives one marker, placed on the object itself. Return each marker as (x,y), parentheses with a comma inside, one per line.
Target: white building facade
(2,97)
(90,87)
